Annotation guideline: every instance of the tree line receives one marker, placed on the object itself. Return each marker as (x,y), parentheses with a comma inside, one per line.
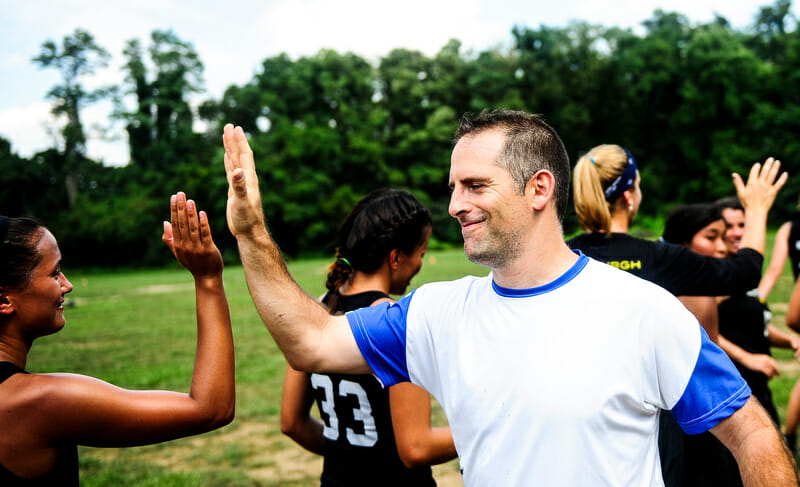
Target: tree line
(692,102)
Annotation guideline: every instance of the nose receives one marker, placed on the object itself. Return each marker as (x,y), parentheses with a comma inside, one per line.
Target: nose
(457,204)
(66,286)
(721,248)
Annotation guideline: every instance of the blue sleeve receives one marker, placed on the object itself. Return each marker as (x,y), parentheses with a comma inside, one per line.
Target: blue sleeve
(715,390)
(380,332)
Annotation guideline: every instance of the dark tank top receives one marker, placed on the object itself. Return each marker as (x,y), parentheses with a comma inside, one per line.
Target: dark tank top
(794,246)
(360,448)
(65,473)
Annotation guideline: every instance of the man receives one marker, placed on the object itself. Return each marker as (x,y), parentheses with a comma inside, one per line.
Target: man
(552,369)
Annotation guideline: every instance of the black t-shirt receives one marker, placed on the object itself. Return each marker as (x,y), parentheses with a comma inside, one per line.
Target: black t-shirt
(673,267)
(65,473)
(794,246)
(360,449)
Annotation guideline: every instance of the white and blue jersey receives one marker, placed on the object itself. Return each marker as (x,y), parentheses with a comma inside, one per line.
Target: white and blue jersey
(560,384)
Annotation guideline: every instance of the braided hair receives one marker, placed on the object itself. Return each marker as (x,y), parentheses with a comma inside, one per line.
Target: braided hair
(384,220)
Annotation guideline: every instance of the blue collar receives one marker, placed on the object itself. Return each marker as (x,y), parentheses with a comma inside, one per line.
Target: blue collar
(535,291)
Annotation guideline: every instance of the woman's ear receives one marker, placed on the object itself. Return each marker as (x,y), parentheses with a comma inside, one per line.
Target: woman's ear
(6,308)
(394,259)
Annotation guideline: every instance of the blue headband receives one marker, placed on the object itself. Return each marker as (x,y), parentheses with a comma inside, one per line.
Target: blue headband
(624,181)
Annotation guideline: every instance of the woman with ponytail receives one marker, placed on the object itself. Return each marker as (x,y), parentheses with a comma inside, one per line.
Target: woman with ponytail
(607,197)
(369,436)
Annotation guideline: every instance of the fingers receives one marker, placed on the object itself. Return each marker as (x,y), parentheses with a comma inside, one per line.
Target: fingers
(205,229)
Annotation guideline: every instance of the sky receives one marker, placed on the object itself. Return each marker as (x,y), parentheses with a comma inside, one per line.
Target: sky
(232,38)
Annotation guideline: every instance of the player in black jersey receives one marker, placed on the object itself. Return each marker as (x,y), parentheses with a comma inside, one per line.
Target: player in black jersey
(45,416)
(369,436)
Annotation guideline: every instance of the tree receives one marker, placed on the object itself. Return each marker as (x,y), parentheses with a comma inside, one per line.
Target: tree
(78,56)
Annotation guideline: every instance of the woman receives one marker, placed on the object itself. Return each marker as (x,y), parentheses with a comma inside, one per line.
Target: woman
(369,436)
(45,416)
(701,229)
(607,196)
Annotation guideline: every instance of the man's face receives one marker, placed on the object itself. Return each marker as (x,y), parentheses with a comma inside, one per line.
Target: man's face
(491,213)
(734,228)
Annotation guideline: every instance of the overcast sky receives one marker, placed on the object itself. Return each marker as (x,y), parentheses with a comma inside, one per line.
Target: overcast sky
(232,38)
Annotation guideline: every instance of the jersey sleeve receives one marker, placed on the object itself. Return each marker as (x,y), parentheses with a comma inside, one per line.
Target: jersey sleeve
(694,378)
(689,274)
(380,333)
(714,392)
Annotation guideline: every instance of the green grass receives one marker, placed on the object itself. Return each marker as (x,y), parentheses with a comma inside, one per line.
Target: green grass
(136,329)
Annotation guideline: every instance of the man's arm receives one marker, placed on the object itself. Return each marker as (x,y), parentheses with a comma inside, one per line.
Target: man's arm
(757,198)
(757,446)
(311,339)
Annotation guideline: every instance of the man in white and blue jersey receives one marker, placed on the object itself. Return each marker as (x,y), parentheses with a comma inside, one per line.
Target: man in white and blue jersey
(552,370)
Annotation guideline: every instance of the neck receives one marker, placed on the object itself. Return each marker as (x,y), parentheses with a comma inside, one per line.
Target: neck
(363,282)
(14,350)
(543,261)
(620,221)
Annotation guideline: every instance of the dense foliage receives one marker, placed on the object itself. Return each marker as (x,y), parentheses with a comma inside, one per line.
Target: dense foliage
(692,102)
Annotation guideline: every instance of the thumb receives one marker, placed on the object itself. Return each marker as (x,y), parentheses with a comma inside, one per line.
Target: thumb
(167,236)
(239,182)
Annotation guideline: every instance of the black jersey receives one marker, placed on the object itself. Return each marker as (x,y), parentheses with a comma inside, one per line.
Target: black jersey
(794,246)
(673,267)
(359,447)
(742,321)
(65,473)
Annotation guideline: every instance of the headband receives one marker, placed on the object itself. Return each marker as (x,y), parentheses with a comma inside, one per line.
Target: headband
(3,228)
(624,181)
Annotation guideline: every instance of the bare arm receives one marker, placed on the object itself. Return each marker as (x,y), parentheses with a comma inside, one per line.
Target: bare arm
(704,308)
(780,251)
(758,362)
(310,338)
(89,411)
(757,198)
(793,313)
(296,420)
(759,450)
(418,443)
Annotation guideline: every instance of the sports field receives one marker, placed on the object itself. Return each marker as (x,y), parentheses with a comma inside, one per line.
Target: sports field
(136,329)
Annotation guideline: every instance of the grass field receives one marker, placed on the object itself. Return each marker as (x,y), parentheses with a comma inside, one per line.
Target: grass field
(136,329)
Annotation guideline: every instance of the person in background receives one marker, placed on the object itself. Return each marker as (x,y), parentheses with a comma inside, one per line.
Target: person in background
(787,245)
(380,248)
(45,416)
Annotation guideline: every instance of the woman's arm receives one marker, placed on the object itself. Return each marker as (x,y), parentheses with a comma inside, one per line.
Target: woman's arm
(704,308)
(296,420)
(417,443)
(91,412)
(780,251)
(758,362)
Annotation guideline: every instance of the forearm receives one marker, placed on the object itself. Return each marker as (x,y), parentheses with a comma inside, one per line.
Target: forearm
(778,338)
(764,460)
(293,318)
(735,352)
(213,380)
(755,228)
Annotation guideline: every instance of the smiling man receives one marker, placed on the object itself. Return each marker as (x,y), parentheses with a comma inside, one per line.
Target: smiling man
(551,370)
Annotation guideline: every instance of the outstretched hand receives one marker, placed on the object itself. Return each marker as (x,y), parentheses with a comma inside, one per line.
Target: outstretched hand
(762,186)
(244,211)
(189,238)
